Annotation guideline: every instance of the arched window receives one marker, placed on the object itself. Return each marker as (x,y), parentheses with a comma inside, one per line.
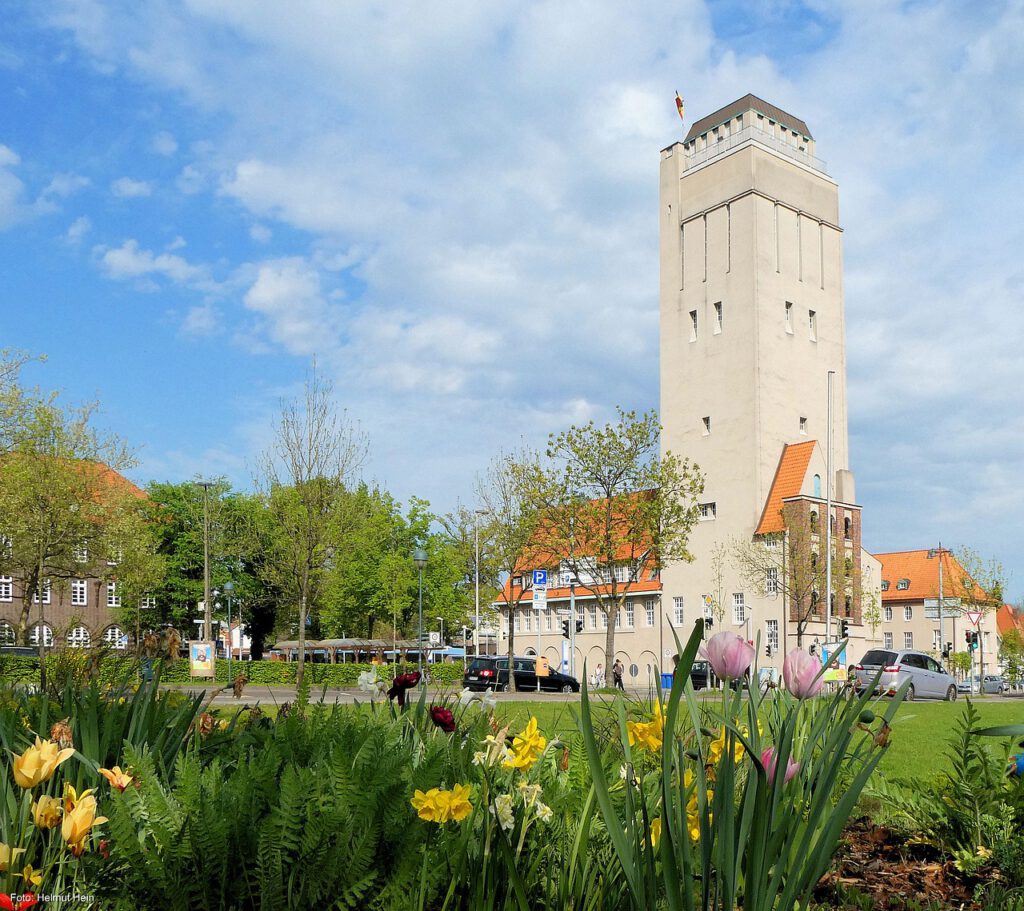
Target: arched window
(79,637)
(47,635)
(849,605)
(817,485)
(814,602)
(114,637)
(814,562)
(814,520)
(7,634)
(847,527)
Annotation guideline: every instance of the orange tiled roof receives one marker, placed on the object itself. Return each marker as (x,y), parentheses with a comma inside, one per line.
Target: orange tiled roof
(922,574)
(789,478)
(1008,619)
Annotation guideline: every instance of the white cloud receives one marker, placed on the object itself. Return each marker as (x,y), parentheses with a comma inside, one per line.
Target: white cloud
(129,188)
(201,320)
(130,262)
(78,229)
(64,185)
(164,143)
(260,233)
(294,314)
(12,207)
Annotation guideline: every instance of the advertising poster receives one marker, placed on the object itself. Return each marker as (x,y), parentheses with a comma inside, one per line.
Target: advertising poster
(200,659)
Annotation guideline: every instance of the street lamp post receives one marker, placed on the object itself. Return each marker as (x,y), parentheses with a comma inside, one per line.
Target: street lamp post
(442,630)
(476,572)
(229,587)
(419,558)
(207,603)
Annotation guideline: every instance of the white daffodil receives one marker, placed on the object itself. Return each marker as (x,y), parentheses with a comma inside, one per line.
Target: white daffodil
(369,684)
(543,812)
(468,697)
(496,752)
(502,810)
(488,701)
(529,793)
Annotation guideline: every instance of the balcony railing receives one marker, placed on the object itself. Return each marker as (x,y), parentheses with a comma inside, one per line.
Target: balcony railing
(752,134)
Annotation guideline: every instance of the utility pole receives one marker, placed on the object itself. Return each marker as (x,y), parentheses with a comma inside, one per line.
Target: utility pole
(828,515)
(207,603)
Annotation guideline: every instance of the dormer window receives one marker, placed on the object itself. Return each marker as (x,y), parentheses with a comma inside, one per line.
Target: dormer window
(885,585)
(903,585)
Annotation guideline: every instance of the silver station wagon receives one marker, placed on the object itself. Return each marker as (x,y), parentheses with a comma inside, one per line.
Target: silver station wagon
(928,679)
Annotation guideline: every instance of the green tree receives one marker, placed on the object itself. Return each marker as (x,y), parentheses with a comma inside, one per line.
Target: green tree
(316,452)
(65,508)
(612,510)
(1011,652)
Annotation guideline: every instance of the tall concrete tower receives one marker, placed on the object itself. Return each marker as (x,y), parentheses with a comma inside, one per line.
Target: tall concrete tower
(751,324)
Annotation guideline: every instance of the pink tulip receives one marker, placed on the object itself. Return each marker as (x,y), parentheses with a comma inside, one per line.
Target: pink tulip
(802,673)
(730,656)
(768,761)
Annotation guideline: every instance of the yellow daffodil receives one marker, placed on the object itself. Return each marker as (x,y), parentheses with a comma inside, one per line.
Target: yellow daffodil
(8,855)
(46,812)
(655,831)
(79,821)
(441,806)
(716,749)
(38,763)
(116,777)
(31,877)
(647,734)
(527,747)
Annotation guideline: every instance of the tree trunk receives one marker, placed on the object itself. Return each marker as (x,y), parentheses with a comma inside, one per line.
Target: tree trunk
(302,633)
(511,648)
(609,639)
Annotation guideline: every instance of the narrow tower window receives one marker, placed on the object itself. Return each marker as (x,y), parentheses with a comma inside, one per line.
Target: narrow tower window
(803,426)
(693,325)
(707,425)
(789,317)
(718,317)
(812,324)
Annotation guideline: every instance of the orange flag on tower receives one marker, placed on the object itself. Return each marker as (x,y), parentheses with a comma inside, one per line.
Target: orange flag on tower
(680,108)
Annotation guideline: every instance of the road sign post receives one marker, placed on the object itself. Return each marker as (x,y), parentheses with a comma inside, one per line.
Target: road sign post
(540,602)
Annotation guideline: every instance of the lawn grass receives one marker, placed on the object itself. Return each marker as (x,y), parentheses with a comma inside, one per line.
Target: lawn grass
(921,731)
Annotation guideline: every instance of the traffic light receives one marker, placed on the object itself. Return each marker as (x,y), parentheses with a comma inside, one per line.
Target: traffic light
(565,629)
(579,626)
(967,637)
(974,641)
(709,622)
(767,651)
(844,629)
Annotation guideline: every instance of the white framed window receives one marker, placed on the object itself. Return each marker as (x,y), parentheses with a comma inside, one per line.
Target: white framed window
(707,425)
(908,640)
(803,425)
(579,616)
(693,325)
(618,619)
(519,622)
(620,572)
(47,635)
(812,325)
(7,634)
(527,622)
(6,588)
(649,608)
(885,585)
(903,585)
(47,593)
(604,620)
(789,317)
(148,602)
(887,614)
(771,634)
(677,611)
(630,614)
(887,641)
(113,598)
(718,317)
(79,637)
(81,554)
(937,640)
(771,581)
(708,511)
(114,637)
(547,619)
(79,593)
(908,613)
(739,608)
(772,542)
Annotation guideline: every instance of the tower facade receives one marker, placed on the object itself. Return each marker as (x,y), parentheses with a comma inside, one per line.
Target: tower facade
(751,326)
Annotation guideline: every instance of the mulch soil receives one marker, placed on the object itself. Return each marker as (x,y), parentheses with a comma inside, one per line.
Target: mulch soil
(877,862)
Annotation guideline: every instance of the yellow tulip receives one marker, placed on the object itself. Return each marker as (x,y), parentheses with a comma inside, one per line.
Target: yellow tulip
(117,778)
(7,856)
(79,821)
(31,877)
(46,812)
(38,763)
(655,831)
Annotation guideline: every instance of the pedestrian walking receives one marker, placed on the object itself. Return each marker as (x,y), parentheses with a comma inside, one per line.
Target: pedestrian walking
(618,669)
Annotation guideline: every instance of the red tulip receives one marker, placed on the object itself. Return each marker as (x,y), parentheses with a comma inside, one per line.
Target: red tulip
(402,683)
(443,718)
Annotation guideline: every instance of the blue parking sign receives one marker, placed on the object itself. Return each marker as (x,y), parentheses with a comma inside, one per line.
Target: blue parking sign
(540,577)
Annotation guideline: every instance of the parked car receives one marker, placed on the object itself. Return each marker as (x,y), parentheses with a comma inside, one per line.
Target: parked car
(968,685)
(492,674)
(928,679)
(700,675)
(993,683)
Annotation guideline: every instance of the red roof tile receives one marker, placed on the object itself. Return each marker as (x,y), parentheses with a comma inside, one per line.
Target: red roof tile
(922,575)
(789,479)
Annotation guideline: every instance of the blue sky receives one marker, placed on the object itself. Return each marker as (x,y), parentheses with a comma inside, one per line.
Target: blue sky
(453,206)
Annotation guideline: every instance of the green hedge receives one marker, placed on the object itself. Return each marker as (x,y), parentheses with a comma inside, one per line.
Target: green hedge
(16,669)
